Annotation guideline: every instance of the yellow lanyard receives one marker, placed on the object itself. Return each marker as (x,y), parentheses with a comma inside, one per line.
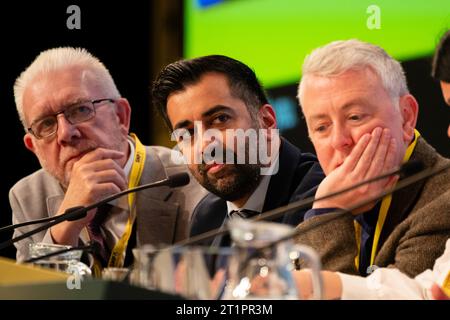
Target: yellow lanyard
(384,208)
(446,285)
(117,254)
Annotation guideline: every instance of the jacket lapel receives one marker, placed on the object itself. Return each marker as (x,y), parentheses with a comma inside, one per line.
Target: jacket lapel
(405,199)
(156,217)
(278,192)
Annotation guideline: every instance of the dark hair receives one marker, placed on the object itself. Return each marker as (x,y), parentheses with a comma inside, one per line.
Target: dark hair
(441,61)
(176,76)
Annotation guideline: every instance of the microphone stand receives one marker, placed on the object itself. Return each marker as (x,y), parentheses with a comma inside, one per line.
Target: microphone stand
(342,212)
(339,212)
(79,212)
(75,213)
(407,168)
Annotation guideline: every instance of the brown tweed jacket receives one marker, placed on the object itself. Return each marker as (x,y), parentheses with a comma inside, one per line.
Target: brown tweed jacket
(414,233)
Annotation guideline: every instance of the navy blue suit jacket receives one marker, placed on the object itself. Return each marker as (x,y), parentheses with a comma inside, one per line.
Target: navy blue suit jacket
(298,176)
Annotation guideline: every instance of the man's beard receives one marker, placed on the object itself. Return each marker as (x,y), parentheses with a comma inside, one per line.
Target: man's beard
(236,181)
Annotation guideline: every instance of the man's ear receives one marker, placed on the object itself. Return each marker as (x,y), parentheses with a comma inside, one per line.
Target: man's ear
(29,143)
(123,112)
(409,109)
(267,120)
(266,117)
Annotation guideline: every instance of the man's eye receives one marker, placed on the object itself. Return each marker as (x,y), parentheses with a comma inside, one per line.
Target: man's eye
(47,123)
(320,128)
(355,117)
(81,109)
(221,119)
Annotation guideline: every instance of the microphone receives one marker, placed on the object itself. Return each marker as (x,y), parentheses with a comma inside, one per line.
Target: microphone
(178,180)
(416,177)
(93,247)
(75,213)
(410,167)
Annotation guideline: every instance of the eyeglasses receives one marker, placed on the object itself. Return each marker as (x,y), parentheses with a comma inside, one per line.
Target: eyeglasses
(74,114)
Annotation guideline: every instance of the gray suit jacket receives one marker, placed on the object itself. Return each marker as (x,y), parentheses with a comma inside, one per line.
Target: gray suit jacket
(163,214)
(414,233)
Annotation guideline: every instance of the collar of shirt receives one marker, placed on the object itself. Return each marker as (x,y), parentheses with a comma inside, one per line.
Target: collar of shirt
(258,197)
(256,200)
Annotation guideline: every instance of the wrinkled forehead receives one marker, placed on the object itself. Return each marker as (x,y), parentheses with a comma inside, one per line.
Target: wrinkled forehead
(353,83)
(48,92)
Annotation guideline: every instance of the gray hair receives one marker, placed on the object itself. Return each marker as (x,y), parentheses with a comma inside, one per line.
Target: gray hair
(338,57)
(58,59)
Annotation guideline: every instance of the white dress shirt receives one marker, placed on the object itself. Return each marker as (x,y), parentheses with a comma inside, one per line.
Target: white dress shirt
(387,283)
(256,200)
(258,197)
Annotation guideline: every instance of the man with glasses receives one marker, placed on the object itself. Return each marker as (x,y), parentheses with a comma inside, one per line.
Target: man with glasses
(77,125)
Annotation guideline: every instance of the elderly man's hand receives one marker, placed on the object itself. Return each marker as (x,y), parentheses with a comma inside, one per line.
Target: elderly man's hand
(95,176)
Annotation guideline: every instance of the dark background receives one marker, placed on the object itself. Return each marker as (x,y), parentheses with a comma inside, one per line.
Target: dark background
(117,33)
(134,39)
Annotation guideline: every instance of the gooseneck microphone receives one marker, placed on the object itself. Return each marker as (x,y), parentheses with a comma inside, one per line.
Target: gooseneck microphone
(338,213)
(75,213)
(409,168)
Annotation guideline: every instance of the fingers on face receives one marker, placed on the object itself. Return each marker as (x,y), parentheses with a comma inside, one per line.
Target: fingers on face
(353,158)
(372,153)
(102,175)
(373,161)
(383,162)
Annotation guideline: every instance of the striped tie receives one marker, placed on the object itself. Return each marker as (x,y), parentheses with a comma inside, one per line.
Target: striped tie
(95,233)
(243,213)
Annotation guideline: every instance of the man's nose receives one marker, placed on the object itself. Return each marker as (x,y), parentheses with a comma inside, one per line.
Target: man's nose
(65,131)
(341,139)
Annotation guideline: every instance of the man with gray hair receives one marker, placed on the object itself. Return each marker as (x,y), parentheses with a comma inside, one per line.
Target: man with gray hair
(77,125)
(361,120)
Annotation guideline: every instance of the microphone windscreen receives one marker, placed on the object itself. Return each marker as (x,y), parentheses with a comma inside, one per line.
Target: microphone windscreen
(411,167)
(178,180)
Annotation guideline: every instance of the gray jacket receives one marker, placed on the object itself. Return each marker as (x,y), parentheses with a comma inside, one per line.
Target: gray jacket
(163,214)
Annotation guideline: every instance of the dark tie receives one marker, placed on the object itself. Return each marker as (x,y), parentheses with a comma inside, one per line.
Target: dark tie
(225,239)
(95,233)
(244,213)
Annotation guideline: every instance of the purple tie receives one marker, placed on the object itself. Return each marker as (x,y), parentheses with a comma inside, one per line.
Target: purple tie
(95,233)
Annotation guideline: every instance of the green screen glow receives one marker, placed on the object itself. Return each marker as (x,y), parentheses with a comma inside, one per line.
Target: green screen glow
(273,36)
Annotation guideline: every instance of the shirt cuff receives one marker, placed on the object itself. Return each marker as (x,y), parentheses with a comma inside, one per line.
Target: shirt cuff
(355,288)
(317,212)
(382,284)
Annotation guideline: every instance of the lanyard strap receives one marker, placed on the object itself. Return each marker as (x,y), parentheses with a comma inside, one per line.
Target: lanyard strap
(117,254)
(446,285)
(383,211)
